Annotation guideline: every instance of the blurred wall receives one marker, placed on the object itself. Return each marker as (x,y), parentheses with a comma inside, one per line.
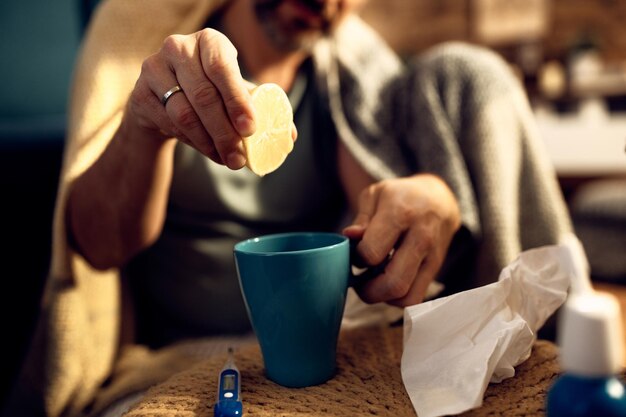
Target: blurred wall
(38,43)
(603,20)
(410,26)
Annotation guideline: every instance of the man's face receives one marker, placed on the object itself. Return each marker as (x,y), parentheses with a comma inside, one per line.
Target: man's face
(295,25)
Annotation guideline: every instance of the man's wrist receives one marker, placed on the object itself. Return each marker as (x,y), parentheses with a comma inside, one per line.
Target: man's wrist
(147,138)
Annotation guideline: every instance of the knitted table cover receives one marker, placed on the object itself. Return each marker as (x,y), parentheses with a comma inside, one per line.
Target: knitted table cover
(368,382)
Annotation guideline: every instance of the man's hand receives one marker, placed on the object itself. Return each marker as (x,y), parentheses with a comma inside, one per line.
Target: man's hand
(411,221)
(213,112)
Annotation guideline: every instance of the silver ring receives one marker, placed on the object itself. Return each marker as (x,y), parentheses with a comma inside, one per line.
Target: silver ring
(169,93)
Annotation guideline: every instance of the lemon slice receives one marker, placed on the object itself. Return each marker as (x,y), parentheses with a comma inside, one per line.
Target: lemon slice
(270,144)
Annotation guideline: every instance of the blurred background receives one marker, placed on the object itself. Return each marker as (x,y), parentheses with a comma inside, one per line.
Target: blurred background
(569,54)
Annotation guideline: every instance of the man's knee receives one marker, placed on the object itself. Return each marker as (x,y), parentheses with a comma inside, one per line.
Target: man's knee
(471,66)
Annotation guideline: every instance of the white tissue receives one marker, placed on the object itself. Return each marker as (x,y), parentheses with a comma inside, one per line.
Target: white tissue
(454,346)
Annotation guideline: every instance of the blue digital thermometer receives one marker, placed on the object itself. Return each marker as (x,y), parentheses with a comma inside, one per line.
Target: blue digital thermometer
(229,390)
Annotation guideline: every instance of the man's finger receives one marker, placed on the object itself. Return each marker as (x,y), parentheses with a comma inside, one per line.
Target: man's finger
(397,277)
(381,236)
(219,62)
(416,293)
(368,200)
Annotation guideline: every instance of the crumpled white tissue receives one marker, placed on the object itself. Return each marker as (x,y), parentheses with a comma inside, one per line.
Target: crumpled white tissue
(454,346)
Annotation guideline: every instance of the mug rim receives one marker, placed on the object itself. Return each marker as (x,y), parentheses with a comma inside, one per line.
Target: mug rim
(239,246)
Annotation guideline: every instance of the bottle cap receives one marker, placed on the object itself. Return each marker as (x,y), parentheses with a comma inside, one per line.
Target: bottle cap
(590,335)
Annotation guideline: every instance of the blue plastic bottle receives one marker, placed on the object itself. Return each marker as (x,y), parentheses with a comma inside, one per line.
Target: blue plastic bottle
(590,339)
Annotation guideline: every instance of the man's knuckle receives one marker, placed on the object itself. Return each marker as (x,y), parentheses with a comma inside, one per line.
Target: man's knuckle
(224,138)
(398,288)
(149,65)
(217,52)
(138,100)
(186,118)
(216,64)
(205,96)
(172,45)
(404,215)
(234,102)
(421,246)
(218,42)
(424,243)
(367,194)
(372,189)
(372,254)
(210,36)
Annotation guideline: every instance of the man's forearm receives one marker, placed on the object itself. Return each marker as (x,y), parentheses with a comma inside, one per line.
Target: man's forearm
(117,207)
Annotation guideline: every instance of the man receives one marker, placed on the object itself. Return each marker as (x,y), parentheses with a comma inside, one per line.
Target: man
(415,216)
(153,186)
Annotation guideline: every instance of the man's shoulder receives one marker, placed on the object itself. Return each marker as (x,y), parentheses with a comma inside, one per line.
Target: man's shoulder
(138,22)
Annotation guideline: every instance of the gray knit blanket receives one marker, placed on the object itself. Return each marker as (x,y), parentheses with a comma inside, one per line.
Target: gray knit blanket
(459,112)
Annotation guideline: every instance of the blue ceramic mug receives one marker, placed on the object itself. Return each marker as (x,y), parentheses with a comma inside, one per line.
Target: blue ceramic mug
(294,286)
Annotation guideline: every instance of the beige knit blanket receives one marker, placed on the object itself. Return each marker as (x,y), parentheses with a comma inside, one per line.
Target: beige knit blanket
(368,382)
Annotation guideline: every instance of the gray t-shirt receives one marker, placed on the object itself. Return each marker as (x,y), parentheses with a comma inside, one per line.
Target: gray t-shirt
(185,285)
